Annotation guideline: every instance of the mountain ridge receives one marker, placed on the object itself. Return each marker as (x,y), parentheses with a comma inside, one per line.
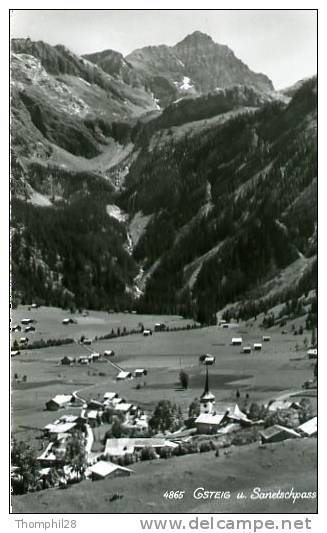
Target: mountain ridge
(211,172)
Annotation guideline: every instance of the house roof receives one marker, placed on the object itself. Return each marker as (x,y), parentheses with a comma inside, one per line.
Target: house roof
(237,339)
(61,428)
(309,427)
(105,468)
(207,418)
(279,404)
(119,446)
(61,399)
(139,370)
(126,445)
(68,418)
(47,453)
(122,374)
(276,429)
(110,395)
(92,414)
(123,407)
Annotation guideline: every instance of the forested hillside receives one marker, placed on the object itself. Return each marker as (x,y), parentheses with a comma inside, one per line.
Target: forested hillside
(255,174)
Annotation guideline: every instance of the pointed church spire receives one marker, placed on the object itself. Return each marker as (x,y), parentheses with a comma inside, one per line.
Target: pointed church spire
(206,386)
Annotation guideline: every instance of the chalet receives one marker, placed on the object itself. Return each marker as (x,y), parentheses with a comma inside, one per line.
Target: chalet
(121,446)
(59,401)
(54,430)
(34,306)
(111,403)
(118,447)
(94,418)
(222,322)
(27,321)
(231,411)
(208,422)
(246,349)
(266,338)
(147,332)
(207,359)
(83,360)
(52,455)
(124,375)
(66,321)
(122,409)
(16,327)
(152,442)
(29,328)
(14,353)
(23,340)
(237,341)
(136,425)
(104,469)
(95,356)
(309,428)
(277,433)
(279,405)
(257,346)
(94,404)
(67,360)
(110,395)
(312,353)
(139,372)
(160,327)
(87,342)
(108,353)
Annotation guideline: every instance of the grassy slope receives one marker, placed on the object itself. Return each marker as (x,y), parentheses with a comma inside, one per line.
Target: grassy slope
(283,465)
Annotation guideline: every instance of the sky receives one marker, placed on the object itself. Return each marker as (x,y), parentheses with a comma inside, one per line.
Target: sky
(280,43)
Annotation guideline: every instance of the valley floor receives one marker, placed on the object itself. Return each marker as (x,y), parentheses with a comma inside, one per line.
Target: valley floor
(279,369)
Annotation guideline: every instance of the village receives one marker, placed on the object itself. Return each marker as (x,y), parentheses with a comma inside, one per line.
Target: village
(101,434)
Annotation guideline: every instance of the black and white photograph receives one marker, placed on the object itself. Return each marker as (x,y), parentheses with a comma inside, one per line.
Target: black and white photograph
(163,262)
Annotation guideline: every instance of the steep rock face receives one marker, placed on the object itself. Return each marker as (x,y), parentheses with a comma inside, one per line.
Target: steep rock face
(61,100)
(196,65)
(113,63)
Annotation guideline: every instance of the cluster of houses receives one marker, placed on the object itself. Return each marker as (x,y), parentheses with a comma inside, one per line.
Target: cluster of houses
(27,324)
(257,346)
(86,358)
(94,412)
(222,418)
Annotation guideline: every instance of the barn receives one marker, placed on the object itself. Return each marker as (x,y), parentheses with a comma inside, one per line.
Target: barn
(59,401)
(104,469)
(257,346)
(277,433)
(123,375)
(247,349)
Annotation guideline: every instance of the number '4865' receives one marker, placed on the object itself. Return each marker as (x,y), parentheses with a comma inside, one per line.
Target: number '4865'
(174,494)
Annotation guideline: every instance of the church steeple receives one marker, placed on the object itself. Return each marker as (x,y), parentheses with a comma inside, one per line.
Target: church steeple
(206,386)
(207,399)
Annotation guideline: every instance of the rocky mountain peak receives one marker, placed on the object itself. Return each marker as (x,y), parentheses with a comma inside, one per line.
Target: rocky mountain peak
(197,38)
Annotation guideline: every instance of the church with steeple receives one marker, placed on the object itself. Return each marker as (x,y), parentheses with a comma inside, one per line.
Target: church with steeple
(212,417)
(207,400)
(208,421)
